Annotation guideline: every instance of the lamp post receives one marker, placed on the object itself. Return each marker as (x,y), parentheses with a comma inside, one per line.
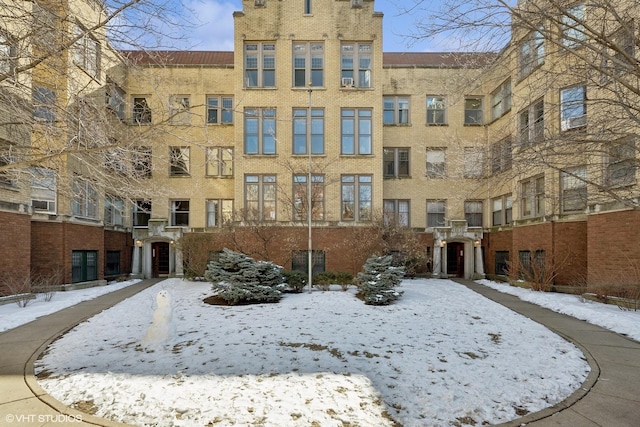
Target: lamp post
(309,216)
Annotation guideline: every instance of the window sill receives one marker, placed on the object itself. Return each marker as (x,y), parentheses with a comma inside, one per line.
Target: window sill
(436,124)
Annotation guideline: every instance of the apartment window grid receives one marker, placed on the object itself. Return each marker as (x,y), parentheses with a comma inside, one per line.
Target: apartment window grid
(531,123)
(179,213)
(260,131)
(501,155)
(43,190)
(501,100)
(141,213)
(141,113)
(436,110)
(473,111)
(396,162)
(179,161)
(502,210)
(300,200)
(8,55)
(532,197)
(531,52)
(179,106)
(260,197)
(621,164)
(396,212)
(115,100)
(473,162)
(219,110)
(44,104)
(573,184)
(436,210)
(436,162)
(219,162)
(86,52)
(219,212)
(356,131)
(572,23)
(395,110)
(357,197)
(308,64)
(141,162)
(356,59)
(473,210)
(85,199)
(301,133)
(573,108)
(260,64)
(7,178)
(84,266)
(112,263)
(113,210)
(300,261)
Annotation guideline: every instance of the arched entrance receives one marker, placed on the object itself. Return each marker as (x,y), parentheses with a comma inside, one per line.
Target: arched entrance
(458,251)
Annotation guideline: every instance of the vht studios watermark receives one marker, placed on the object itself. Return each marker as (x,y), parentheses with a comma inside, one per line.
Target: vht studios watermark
(42,418)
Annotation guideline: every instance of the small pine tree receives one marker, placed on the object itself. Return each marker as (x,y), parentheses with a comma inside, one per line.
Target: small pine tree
(378,280)
(238,278)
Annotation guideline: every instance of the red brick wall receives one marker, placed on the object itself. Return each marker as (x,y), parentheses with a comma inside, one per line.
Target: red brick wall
(15,251)
(493,242)
(571,252)
(613,248)
(122,242)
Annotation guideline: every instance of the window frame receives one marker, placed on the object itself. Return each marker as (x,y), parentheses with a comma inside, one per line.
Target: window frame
(141,114)
(312,52)
(360,75)
(84,265)
(219,110)
(141,213)
(265,75)
(436,210)
(501,100)
(503,215)
(301,131)
(572,30)
(474,218)
(300,187)
(531,52)
(179,210)
(532,193)
(114,212)
(264,184)
(574,181)
(397,212)
(44,104)
(87,52)
(180,110)
(9,55)
(178,165)
(221,215)
(358,121)
(531,123)
(569,106)
(220,162)
(433,171)
(434,113)
(396,162)
(263,119)
(470,113)
(400,116)
(621,157)
(474,162)
(84,202)
(44,188)
(353,189)
(502,155)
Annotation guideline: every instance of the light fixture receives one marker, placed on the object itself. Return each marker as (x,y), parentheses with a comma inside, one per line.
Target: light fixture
(476,243)
(139,243)
(443,243)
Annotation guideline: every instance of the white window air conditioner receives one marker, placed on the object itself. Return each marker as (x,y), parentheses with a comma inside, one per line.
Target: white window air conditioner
(347,82)
(574,122)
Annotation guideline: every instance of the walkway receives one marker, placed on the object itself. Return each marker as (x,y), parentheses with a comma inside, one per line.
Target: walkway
(609,398)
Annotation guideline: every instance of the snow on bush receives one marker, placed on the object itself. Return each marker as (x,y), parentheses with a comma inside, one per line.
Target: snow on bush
(378,280)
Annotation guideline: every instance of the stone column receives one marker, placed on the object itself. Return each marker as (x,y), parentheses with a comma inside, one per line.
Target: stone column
(437,260)
(479,266)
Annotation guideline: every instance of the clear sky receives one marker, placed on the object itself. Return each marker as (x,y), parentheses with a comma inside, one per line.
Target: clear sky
(215,31)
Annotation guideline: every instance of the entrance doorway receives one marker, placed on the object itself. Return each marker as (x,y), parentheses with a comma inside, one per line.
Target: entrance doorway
(160,258)
(455,259)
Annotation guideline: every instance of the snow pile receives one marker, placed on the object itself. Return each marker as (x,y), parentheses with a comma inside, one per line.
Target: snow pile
(440,355)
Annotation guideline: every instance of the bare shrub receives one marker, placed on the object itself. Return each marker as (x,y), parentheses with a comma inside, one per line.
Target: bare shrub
(18,286)
(535,269)
(47,284)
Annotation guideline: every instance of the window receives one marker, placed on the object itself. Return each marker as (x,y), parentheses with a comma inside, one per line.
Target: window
(355,63)
(179,213)
(473,162)
(260,197)
(300,261)
(308,64)
(396,162)
(8,55)
(307,7)
(573,31)
(219,212)
(260,65)
(574,190)
(115,97)
(86,52)
(219,110)
(84,266)
(141,159)
(300,201)
(141,213)
(44,104)
(395,110)
(501,100)
(531,264)
(356,197)
(531,123)
(219,161)
(531,52)
(502,263)
(141,111)
(435,213)
(501,155)
(356,131)
(179,110)
(301,132)
(112,264)
(473,213)
(621,164)
(473,111)
(260,131)
(436,163)
(573,108)
(436,110)
(532,197)
(43,190)
(85,199)
(396,212)
(502,209)
(620,59)
(179,164)
(113,210)
(6,176)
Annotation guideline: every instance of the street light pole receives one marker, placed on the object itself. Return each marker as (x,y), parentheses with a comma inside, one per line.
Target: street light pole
(310,249)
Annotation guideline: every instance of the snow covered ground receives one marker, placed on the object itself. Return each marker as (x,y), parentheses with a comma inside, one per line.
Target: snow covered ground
(441,355)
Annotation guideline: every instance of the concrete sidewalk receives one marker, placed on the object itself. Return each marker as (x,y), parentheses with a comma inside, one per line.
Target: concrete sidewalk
(610,397)
(23,403)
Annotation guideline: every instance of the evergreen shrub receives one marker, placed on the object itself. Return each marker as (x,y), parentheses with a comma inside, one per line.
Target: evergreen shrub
(377,281)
